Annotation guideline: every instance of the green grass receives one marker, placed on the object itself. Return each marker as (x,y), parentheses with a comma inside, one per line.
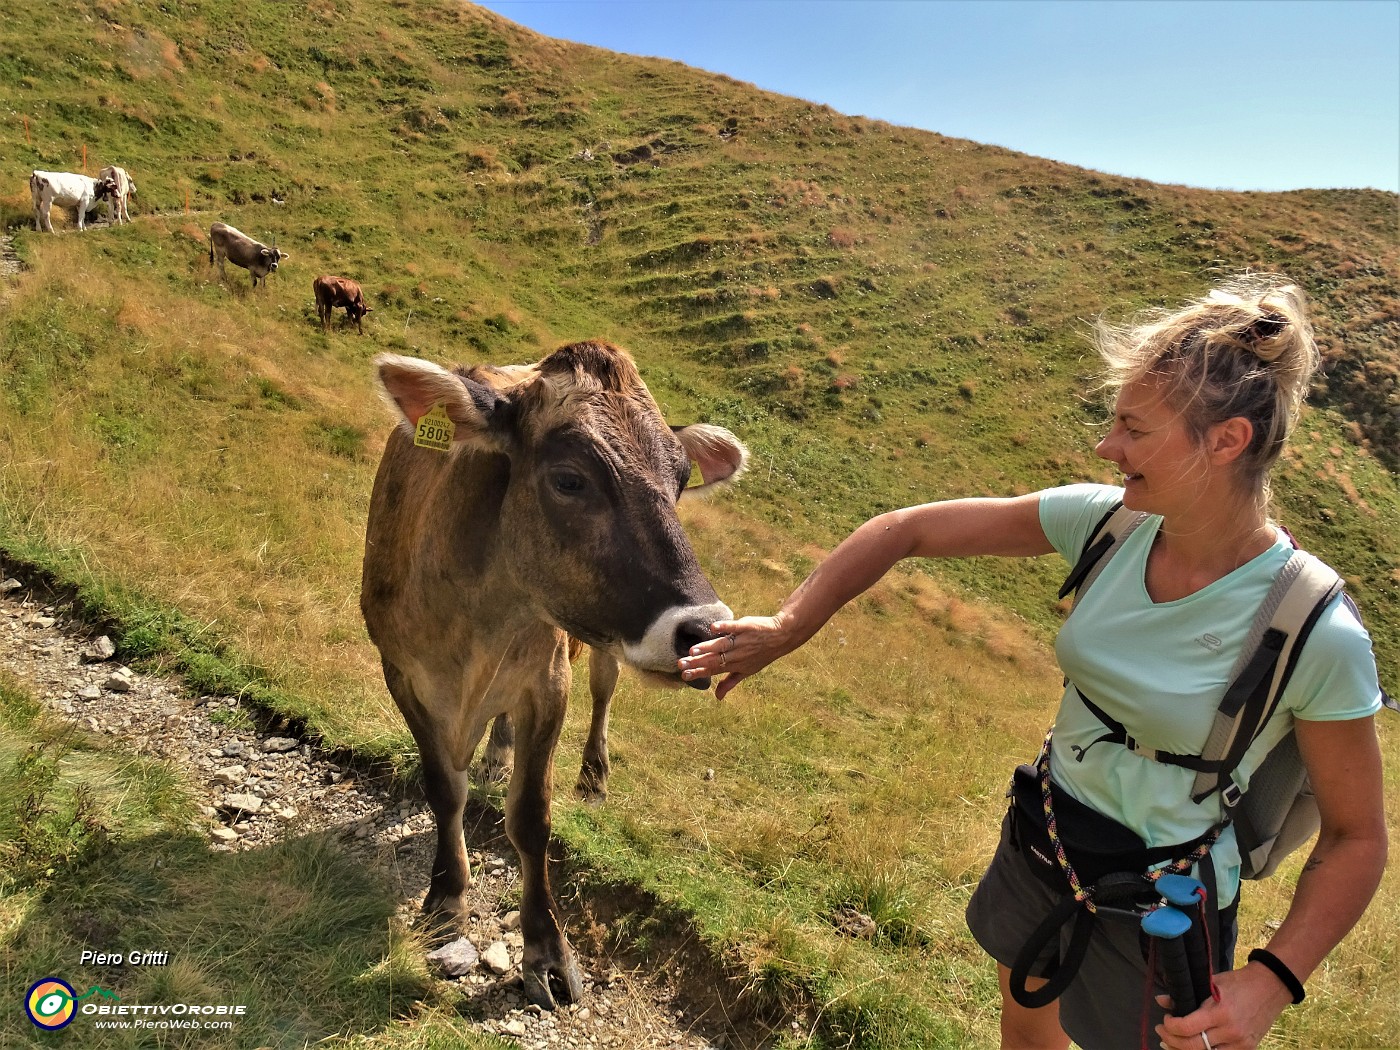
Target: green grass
(886,316)
(104,852)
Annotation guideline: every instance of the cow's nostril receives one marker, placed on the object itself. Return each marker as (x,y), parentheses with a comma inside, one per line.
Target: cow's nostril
(690,632)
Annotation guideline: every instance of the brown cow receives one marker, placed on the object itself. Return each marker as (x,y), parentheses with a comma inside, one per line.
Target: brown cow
(552,514)
(257,258)
(331,292)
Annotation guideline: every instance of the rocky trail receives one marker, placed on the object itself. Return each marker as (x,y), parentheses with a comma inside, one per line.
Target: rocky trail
(257,785)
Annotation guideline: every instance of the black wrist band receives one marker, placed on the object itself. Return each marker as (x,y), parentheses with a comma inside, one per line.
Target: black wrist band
(1281,971)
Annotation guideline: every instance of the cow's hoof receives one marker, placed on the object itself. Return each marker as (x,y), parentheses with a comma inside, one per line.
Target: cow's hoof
(441,918)
(550,985)
(591,787)
(493,771)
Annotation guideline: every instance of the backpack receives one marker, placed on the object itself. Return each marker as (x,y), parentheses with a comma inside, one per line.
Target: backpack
(1278,813)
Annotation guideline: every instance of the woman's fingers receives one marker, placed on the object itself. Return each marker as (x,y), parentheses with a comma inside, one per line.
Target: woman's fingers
(737,647)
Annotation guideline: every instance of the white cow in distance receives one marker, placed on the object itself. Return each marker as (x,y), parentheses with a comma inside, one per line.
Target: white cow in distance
(79,192)
(122,188)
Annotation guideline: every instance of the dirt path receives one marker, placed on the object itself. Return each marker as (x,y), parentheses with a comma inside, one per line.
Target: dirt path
(259,784)
(9,259)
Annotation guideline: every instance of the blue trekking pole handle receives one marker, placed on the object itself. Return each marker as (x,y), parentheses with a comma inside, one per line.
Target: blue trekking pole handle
(1167,926)
(1188,895)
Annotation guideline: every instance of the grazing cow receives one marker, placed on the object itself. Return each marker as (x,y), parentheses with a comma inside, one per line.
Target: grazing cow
(550,516)
(79,192)
(122,189)
(331,292)
(257,258)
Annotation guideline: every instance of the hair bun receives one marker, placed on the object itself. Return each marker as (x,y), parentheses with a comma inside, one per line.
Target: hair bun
(1266,327)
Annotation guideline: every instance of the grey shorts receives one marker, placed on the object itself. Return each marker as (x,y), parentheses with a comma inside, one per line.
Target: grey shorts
(1102,1009)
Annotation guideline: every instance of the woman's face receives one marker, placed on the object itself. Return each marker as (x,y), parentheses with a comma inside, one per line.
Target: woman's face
(1164,469)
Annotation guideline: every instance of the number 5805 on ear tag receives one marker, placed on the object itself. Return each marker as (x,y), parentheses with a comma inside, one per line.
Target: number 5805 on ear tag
(435,430)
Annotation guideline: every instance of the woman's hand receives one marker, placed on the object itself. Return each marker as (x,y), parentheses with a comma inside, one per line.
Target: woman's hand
(1250,1001)
(740,648)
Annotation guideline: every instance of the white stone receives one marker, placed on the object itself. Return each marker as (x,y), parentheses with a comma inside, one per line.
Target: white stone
(497,958)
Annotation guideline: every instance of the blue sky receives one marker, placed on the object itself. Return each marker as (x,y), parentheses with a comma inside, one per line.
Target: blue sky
(1220,94)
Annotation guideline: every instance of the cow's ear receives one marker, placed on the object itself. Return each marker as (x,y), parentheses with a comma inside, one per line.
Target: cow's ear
(720,456)
(283,255)
(413,386)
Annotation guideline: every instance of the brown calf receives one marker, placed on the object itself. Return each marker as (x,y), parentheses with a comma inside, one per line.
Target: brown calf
(550,513)
(331,292)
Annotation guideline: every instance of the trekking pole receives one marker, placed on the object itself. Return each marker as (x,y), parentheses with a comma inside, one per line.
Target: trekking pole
(1189,895)
(1167,926)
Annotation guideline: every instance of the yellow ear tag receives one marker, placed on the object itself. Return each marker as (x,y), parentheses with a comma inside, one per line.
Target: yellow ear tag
(435,430)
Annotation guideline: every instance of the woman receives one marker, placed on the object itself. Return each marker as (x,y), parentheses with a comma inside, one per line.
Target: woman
(1206,397)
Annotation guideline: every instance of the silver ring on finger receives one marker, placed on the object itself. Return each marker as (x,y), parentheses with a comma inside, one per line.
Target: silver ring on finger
(722,662)
(732,643)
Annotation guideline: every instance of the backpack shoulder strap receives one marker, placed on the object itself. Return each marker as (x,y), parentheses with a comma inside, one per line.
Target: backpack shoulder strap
(1304,587)
(1108,536)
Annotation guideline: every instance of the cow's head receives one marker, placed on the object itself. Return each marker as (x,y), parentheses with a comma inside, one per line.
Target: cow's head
(269,258)
(104,189)
(588,520)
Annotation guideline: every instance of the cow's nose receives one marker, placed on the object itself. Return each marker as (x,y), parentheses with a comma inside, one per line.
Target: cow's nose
(689,632)
(670,636)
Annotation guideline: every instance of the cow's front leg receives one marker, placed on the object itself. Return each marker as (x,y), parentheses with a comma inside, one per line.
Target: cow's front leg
(549,970)
(445,787)
(592,783)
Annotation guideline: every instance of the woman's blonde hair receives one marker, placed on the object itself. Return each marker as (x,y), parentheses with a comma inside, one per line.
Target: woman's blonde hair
(1245,349)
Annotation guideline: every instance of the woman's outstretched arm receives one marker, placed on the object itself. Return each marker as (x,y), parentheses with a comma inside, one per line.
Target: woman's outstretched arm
(950,529)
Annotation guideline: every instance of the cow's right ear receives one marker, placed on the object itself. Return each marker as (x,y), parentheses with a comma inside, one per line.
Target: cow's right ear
(413,386)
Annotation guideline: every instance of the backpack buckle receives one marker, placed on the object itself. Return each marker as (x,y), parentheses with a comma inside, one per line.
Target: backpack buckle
(1231,795)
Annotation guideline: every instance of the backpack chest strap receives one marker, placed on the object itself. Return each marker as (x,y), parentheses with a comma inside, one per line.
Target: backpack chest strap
(1118,734)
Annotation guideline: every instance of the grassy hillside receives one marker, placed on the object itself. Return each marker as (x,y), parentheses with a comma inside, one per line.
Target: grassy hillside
(885,315)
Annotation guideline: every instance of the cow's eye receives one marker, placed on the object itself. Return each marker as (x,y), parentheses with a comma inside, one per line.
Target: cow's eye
(567,482)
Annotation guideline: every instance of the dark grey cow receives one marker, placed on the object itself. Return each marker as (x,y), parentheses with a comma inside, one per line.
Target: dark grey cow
(238,248)
(515,508)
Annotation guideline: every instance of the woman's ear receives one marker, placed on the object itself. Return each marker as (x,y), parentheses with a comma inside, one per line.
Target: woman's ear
(1229,440)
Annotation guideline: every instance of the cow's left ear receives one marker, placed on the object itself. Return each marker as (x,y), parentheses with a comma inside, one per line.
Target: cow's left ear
(282,256)
(720,456)
(413,386)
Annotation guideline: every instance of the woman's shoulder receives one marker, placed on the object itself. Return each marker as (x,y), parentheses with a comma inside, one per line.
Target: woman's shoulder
(1335,676)
(1070,513)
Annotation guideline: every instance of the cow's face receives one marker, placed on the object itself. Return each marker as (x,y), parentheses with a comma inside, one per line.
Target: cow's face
(268,258)
(588,523)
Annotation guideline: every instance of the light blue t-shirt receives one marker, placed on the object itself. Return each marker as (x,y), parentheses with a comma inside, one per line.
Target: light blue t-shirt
(1161,669)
